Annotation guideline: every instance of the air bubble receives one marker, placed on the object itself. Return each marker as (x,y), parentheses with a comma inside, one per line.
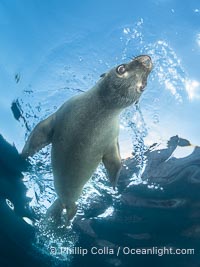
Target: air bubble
(10,204)
(155,119)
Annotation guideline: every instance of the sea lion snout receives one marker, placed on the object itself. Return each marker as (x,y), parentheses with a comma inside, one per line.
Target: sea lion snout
(146,61)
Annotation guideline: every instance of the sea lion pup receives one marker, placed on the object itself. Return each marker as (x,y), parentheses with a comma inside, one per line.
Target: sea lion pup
(84,131)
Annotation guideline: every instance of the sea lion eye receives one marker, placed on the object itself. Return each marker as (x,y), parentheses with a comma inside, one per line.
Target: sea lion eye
(121,69)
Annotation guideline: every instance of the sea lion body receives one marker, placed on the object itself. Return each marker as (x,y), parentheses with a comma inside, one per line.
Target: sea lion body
(84,131)
(78,145)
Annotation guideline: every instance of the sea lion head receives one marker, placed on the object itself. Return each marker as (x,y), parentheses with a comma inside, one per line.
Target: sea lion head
(123,85)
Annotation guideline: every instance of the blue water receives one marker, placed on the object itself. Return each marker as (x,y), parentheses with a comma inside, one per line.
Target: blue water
(52,50)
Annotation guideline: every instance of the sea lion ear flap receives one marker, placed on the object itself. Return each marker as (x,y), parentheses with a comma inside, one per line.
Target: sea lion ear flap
(103,75)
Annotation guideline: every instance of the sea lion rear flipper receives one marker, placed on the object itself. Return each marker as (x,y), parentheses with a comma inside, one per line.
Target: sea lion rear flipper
(54,212)
(39,137)
(112,163)
(58,209)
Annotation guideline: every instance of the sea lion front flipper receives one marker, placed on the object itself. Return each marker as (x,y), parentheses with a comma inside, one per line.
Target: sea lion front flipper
(39,137)
(112,163)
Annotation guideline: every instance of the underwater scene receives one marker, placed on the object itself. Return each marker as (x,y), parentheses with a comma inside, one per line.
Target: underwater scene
(99,133)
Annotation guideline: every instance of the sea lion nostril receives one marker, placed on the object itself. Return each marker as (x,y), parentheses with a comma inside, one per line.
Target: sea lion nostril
(146,61)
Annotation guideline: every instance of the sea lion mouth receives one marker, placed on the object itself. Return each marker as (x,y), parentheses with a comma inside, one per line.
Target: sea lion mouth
(141,86)
(145,62)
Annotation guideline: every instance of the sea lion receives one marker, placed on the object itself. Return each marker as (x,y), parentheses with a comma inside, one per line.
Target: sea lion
(84,131)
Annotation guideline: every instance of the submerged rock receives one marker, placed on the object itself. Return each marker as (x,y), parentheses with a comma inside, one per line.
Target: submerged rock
(193,232)
(85,228)
(11,183)
(164,168)
(132,201)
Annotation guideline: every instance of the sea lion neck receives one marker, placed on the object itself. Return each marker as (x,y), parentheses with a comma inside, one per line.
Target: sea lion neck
(99,103)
